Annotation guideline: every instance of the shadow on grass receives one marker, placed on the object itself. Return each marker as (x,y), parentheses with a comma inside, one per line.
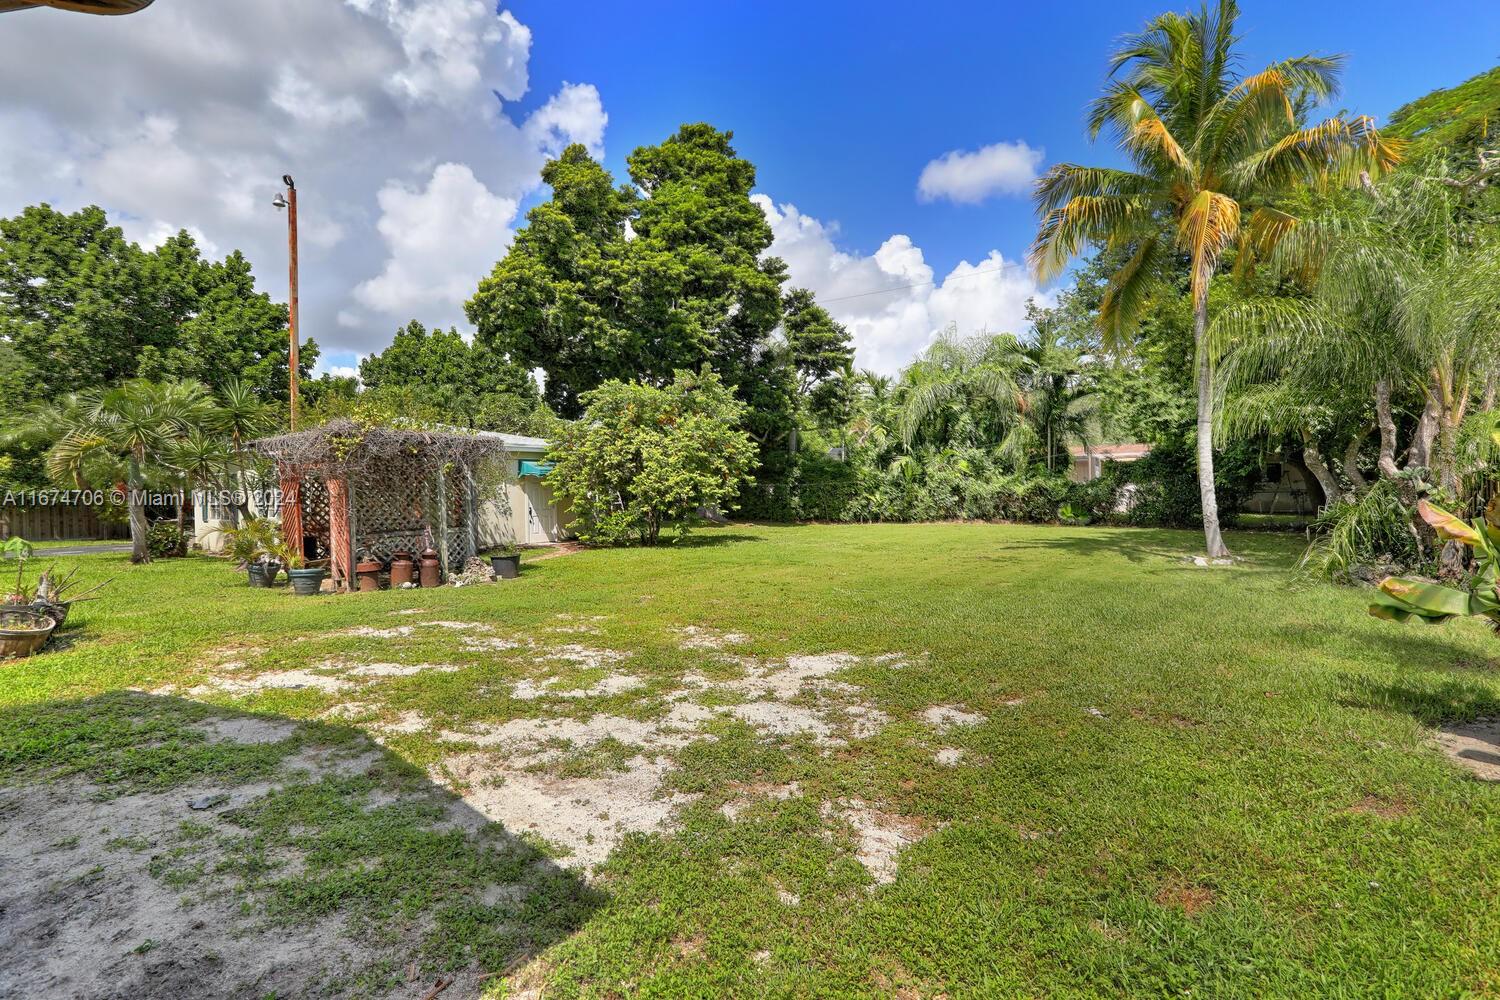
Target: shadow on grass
(1174,547)
(1432,703)
(160,848)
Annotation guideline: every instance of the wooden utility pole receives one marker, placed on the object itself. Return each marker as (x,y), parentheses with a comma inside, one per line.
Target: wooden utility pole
(289,202)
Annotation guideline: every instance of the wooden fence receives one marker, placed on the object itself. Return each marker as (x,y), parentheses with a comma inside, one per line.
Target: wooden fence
(58,523)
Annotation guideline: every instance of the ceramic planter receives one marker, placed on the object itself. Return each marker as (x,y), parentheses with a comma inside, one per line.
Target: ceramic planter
(506,567)
(308,581)
(23,632)
(264,574)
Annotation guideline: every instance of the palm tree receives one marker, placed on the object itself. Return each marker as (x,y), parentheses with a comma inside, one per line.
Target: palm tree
(1058,401)
(139,421)
(1403,301)
(1212,155)
(242,416)
(201,460)
(960,391)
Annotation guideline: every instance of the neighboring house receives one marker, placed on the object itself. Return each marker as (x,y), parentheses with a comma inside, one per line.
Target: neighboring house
(533,518)
(1286,487)
(1088,463)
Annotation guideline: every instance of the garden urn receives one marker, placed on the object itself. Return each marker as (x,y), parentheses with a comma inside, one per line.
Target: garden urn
(368,573)
(432,568)
(402,569)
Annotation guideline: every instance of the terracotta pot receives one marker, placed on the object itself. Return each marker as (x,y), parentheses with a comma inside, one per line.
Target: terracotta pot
(432,569)
(368,573)
(402,569)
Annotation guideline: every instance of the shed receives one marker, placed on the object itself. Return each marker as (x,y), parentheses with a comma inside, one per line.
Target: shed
(534,515)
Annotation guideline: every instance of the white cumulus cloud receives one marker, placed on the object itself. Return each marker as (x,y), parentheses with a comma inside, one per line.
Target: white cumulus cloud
(891,300)
(442,239)
(971,177)
(394,116)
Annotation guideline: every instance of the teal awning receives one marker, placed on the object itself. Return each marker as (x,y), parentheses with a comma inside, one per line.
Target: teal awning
(535,468)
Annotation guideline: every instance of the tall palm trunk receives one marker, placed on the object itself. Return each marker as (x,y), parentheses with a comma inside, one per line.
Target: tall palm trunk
(1211,534)
(135,503)
(1387,423)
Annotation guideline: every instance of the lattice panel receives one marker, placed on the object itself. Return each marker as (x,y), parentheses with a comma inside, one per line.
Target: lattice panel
(392,517)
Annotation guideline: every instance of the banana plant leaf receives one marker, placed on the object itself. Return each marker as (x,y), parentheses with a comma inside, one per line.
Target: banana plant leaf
(81,6)
(1447,525)
(1426,599)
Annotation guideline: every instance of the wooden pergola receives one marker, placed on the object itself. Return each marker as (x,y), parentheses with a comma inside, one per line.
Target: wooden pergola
(352,492)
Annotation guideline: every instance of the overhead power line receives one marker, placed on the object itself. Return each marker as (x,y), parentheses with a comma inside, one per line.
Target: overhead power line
(920,284)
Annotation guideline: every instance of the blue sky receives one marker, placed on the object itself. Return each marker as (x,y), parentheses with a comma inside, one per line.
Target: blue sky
(840,104)
(413,179)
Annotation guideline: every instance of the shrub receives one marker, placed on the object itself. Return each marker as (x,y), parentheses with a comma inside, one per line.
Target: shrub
(645,459)
(164,540)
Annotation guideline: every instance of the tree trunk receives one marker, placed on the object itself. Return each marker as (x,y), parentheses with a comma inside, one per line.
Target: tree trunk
(1447,454)
(1387,424)
(182,524)
(1420,455)
(1211,535)
(135,503)
(1351,460)
(1313,459)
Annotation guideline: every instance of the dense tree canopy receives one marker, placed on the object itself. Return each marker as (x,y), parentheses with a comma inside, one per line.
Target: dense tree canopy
(668,272)
(82,307)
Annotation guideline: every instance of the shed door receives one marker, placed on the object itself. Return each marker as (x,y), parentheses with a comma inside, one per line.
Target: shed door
(541,516)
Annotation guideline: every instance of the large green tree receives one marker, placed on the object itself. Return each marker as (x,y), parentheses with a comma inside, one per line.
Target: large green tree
(451,374)
(81,307)
(668,272)
(645,458)
(1214,156)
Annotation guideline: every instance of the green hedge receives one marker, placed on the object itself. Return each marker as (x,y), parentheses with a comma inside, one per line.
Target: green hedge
(1163,487)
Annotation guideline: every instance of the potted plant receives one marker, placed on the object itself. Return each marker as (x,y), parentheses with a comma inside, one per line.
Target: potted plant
(506,562)
(23,631)
(307,577)
(52,596)
(253,546)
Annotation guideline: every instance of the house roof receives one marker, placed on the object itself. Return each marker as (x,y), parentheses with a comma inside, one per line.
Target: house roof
(1115,451)
(516,442)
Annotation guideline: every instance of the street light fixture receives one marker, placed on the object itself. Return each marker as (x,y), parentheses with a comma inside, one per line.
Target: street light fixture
(288,201)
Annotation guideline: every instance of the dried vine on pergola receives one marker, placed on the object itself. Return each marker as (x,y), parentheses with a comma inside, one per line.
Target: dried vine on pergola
(344,449)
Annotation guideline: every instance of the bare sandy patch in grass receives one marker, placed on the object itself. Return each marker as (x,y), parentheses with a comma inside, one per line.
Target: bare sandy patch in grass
(530,690)
(247,730)
(879,836)
(948,756)
(794,696)
(276,679)
(946,717)
(587,817)
(1474,746)
(81,915)
(748,795)
(694,637)
(386,669)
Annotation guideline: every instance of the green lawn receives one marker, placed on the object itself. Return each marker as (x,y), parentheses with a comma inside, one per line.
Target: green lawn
(1053,762)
